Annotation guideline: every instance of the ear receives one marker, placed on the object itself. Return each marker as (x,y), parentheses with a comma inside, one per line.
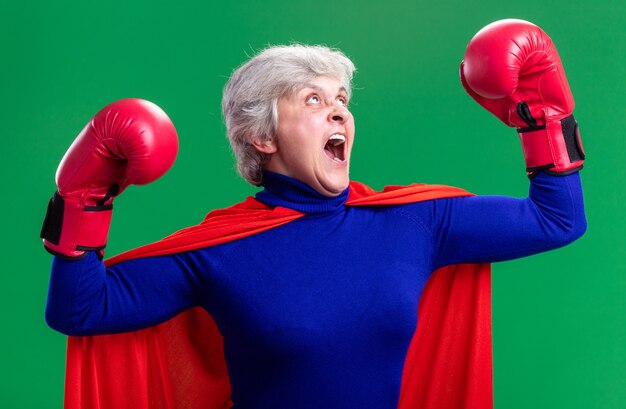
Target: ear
(265,146)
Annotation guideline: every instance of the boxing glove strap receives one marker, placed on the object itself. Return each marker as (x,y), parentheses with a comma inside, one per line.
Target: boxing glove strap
(555,148)
(70,228)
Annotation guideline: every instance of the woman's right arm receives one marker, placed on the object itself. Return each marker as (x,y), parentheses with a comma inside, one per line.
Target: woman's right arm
(86,298)
(131,141)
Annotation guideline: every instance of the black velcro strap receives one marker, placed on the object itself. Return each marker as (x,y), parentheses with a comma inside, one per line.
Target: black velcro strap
(572,140)
(53,222)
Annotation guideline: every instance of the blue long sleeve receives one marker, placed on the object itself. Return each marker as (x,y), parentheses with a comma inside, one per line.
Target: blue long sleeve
(85,298)
(321,309)
(496,228)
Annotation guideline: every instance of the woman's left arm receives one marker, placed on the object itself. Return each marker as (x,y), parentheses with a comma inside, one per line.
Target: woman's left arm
(496,228)
(513,70)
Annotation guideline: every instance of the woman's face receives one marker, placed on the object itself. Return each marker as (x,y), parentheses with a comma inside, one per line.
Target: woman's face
(315,136)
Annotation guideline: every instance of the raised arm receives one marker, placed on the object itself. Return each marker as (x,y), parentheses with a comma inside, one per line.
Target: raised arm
(131,141)
(512,69)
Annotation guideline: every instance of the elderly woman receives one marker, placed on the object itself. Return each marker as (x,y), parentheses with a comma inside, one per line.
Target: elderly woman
(319,311)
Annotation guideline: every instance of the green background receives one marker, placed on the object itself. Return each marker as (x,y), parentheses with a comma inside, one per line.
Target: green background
(559,328)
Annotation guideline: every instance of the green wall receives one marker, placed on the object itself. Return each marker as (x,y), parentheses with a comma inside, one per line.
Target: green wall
(559,327)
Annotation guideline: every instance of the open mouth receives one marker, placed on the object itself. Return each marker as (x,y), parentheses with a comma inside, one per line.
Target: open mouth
(335,147)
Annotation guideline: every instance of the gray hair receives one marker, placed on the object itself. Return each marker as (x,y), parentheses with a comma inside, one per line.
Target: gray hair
(251,95)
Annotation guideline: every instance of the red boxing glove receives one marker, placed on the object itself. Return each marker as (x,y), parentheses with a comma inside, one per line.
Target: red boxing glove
(513,70)
(131,141)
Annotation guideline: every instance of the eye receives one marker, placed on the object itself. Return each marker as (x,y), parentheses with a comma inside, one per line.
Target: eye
(343,100)
(313,99)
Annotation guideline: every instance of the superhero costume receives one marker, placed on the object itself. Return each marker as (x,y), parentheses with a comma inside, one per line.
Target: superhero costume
(545,191)
(270,354)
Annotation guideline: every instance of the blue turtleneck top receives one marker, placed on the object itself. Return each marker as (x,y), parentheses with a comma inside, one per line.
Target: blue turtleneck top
(317,313)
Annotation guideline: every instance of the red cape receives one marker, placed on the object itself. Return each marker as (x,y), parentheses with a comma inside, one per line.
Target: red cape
(180,363)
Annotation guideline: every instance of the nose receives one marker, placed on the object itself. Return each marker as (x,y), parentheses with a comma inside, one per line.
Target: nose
(339,114)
